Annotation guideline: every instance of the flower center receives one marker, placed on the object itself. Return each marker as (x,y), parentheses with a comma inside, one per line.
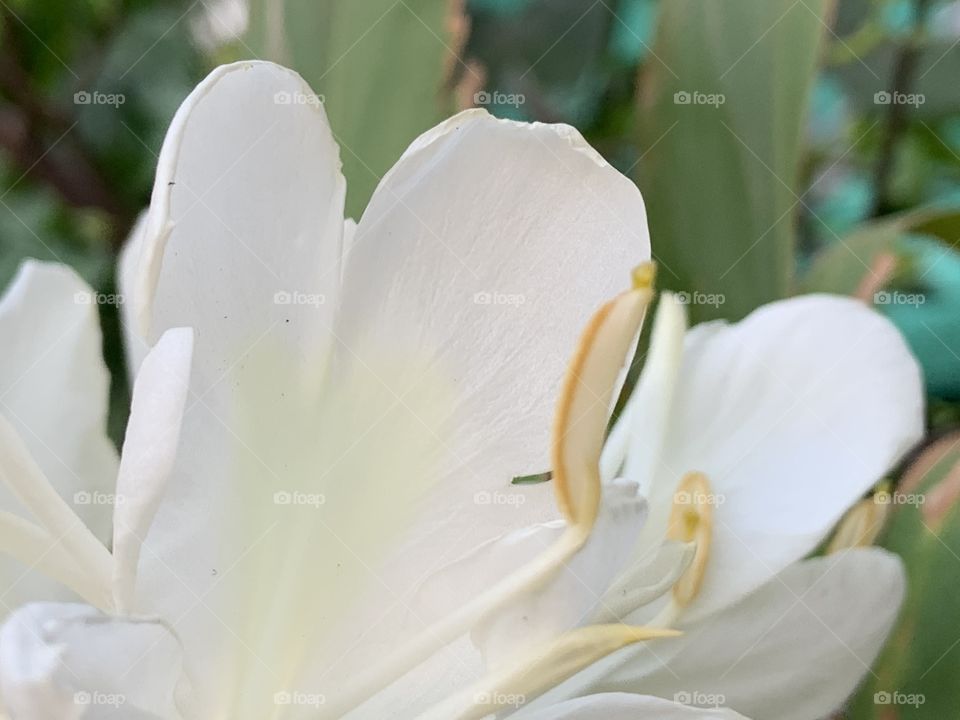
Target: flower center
(691,520)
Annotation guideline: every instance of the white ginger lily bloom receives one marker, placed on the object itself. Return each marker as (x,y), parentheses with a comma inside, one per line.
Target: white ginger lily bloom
(749,441)
(322,470)
(799,410)
(59,476)
(53,392)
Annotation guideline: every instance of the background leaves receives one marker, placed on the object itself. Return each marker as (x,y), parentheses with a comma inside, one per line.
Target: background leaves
(723,106)
(362,57)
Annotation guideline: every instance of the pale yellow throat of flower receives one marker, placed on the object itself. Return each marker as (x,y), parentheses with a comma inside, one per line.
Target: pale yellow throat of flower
(583,411)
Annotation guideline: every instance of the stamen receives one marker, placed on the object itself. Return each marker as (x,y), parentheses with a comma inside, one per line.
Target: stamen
(541,670)
(583,410)
(860,526)
(691,521)
(644,275)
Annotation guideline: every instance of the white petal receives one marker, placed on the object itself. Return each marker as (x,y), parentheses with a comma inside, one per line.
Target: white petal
(53,390)
(582,418)
(793,414)
(247,203)
(242,244)
(625,706)
(489,245)
(135,346)
(349,235)
(644,582)
(794,649)
(527,677)
(57,525)
(71,662)
(641,427)
(149,452)
(567,601)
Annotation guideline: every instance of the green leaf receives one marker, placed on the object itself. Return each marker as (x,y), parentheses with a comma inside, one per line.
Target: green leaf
(916,675)
(379,65)
(908,265)
(844,267)
(534,479)
(720,173)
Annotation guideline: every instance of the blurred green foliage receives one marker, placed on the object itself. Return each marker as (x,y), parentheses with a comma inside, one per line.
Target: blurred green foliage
(708,146)
(758,131)
(85,98)
(916,676)
(356,54)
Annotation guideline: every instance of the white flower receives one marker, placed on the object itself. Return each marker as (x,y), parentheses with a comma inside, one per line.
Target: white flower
(357,397)
(61,480)
(791,416)
(53,390)
(749,442)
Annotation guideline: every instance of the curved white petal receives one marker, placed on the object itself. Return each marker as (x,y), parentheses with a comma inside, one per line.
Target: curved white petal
(794,649)
(242,243)
(488,245)
(58,526)
(581,421)
(567,601)
(70,661)
(526,677)
(645,581)
(135,345)
(642,426)
(349,235)
(149,452)
(53,391)
(792,414)
(625,706)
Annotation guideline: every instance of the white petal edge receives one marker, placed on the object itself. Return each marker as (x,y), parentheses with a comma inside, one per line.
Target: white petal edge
(637,437)
(128,267)
(795,649)
(70,661)
(482,209)
(149,452)
(54,385)
(625,706)
(56,519)
(792,414)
